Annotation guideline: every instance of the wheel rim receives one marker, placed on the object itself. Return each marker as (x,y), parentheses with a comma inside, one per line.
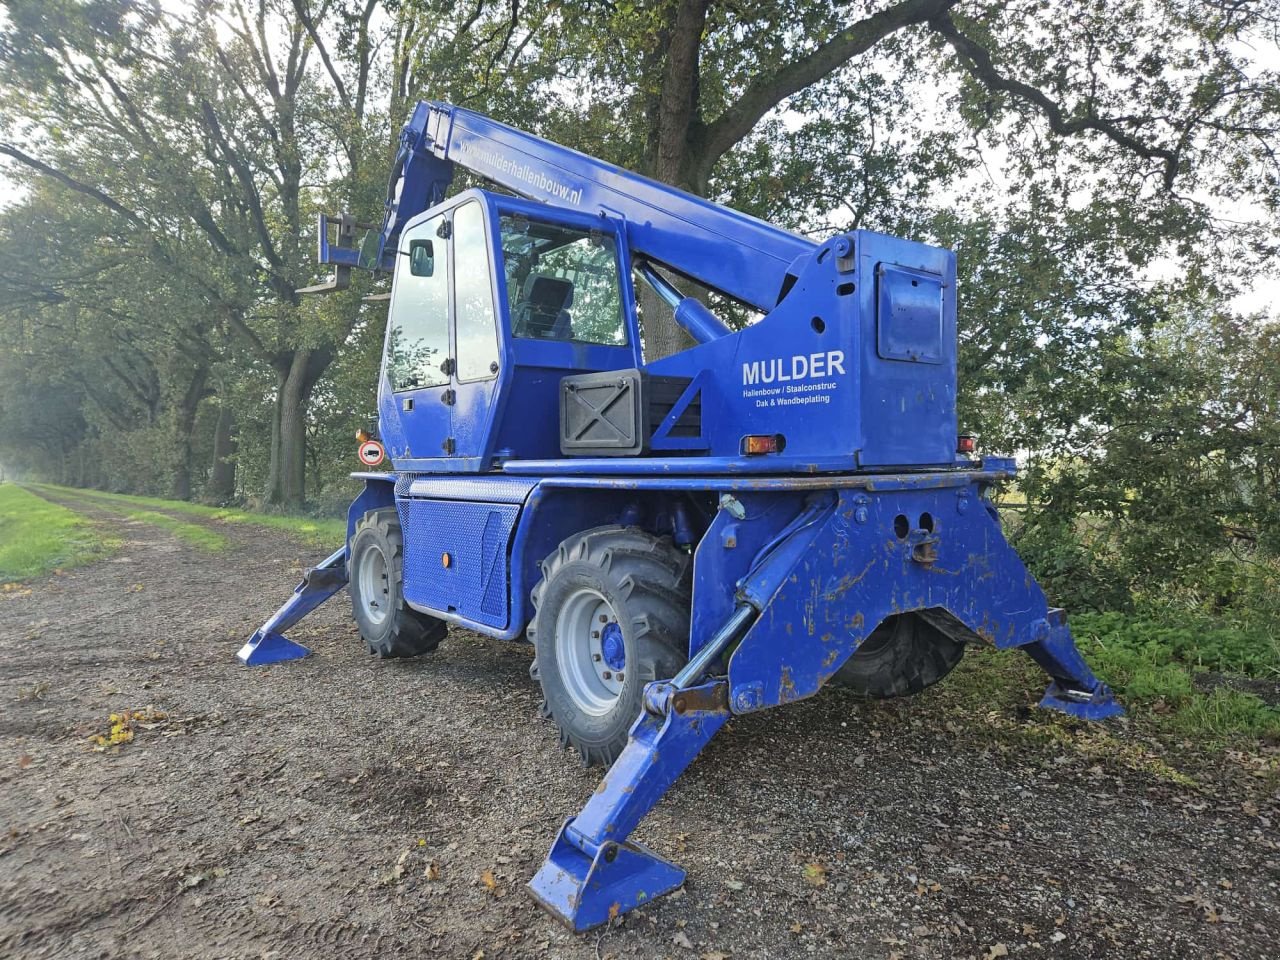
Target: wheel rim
(375,584)
(590,652)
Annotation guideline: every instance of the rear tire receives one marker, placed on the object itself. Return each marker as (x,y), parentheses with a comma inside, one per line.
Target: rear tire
(612,615)
(375,581)
(901,657)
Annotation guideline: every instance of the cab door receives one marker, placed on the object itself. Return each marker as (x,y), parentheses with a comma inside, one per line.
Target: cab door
(474,362)
(416,359)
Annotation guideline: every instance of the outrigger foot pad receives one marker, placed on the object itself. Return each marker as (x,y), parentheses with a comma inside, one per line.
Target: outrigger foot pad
(268,644)
(585,892)
(270,647)
(1098,705)
(1073,688)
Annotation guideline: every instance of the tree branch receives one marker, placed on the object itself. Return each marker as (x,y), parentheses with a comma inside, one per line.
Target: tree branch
(247,183)
(977,61)
(66,180)
(767,92)
(304,16)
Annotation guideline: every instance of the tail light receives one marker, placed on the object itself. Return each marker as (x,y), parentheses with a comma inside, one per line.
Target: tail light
(755,444)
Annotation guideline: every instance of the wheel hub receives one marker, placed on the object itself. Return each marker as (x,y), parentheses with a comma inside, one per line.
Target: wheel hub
(612,648)
(590,651)
(375,584)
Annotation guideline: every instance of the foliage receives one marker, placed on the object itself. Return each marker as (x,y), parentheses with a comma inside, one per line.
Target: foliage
(1157,667)
(37,536)
(1164,478)
(1142,641)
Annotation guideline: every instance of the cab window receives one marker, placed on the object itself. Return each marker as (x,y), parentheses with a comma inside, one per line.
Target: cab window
(418,325)
(476,328)
(562,283)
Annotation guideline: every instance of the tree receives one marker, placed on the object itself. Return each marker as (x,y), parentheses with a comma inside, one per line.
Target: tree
(186,139)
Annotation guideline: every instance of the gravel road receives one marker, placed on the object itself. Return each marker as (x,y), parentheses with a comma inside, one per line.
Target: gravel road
(343,806)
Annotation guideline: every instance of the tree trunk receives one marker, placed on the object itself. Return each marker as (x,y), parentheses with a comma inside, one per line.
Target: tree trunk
(287,486)
(222,476)
(674,125)
(184,425)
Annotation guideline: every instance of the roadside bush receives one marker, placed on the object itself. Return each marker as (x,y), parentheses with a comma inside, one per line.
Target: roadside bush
(1167,666)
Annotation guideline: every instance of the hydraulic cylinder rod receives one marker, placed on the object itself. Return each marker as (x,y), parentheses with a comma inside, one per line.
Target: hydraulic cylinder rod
(700,661)
(703,325)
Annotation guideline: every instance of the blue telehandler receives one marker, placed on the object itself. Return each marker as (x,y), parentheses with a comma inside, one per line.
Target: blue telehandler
(681,539)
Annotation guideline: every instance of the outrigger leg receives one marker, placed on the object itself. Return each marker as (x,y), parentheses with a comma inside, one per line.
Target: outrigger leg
(1073,688)
(269,644)
(593,873)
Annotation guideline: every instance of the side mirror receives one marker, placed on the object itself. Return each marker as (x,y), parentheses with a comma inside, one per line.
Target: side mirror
(422,258)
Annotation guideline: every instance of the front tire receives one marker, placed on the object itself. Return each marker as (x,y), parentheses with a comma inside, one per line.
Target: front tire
(612,615)
(375,582)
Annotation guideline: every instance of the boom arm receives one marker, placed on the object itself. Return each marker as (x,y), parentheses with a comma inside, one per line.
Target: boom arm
(736,254)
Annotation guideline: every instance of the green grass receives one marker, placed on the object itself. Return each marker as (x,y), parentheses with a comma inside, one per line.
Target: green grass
(37,536)
(327,533)
(1154,664)
(193,533)
(1153,667)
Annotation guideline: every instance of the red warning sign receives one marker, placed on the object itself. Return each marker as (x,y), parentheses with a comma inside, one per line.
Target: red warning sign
(371,453)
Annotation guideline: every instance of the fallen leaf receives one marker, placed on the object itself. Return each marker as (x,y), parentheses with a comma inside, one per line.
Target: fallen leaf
(996,950)
(815,873)
(680,940)
(734,884)
(433,871)
(24,761)
(714,955)
(490,882)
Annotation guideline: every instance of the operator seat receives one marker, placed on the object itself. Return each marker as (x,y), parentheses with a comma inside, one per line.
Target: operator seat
(542,311)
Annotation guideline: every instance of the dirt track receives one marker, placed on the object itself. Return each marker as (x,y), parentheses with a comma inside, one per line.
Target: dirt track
(343,806)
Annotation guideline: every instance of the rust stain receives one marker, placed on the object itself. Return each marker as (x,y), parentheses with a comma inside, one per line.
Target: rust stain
(847,583)
(830,658)
(604,785)
(787,687)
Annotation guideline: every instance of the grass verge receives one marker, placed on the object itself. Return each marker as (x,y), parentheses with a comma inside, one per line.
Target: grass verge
(1171,689)
(37,536)
(328,533)
(1168,668)
(192,533)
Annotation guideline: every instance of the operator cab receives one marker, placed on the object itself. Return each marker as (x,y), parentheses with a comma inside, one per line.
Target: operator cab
(494,301)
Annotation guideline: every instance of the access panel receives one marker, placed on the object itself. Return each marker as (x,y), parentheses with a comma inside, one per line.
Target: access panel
(908,314)
(455,557)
